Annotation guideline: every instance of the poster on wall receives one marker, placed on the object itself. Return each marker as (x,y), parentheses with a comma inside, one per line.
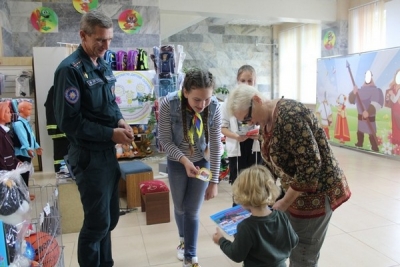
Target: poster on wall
(83,6)
(131,91)
(358,100)
(44,19)
(130,21)
(329,40)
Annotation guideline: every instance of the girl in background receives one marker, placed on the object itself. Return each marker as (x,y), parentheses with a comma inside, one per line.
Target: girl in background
(243,151)
(190,133)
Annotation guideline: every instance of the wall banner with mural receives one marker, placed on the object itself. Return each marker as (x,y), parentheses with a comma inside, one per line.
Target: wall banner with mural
(358,100)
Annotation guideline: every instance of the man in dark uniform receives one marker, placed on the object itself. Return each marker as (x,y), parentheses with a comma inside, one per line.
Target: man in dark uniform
(86,111)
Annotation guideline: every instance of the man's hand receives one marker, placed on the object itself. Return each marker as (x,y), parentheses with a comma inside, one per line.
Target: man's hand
(122,136)
(122,124)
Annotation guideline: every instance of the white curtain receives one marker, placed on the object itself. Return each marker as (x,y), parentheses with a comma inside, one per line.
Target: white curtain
(299,49)
(367,27)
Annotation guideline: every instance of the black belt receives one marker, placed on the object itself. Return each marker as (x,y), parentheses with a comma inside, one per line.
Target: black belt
(361,118)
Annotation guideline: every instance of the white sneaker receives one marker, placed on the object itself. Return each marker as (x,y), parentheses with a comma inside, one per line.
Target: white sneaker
(191,263)
(180,251)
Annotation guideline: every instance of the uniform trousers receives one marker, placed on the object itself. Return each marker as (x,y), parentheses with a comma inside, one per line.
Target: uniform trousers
(97,175)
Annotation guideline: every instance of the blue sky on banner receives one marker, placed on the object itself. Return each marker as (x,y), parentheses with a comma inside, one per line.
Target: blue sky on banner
(333,77)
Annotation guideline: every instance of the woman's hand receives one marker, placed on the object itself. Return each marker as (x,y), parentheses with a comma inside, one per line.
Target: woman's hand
(280,205)
(211,191)
(284,203)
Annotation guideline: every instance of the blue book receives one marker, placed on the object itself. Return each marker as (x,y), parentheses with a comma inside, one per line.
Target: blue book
(228,219)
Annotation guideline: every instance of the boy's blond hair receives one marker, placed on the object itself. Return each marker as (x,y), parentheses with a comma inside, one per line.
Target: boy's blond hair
(255,187)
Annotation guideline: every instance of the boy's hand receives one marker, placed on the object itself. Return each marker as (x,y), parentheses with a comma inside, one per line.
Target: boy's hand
(217,236)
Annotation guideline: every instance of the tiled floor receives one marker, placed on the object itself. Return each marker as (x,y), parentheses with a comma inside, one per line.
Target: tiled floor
(365,231)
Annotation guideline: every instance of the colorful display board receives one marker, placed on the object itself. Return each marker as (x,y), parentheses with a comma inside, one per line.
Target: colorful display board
(358,100)
(131,87)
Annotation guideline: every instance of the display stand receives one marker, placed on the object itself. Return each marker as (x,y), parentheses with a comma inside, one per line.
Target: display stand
(168,63)
(134,91)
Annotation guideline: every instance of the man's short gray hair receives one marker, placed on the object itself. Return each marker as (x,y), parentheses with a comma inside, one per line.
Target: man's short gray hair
(94,18)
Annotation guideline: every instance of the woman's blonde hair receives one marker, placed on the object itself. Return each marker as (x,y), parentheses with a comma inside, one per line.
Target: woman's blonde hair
(240,98)
(255,186)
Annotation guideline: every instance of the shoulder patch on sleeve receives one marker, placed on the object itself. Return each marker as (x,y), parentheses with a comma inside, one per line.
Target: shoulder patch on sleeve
(71,94)
(77,63)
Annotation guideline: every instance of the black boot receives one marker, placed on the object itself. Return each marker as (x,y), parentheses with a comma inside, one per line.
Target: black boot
(360,139)
(374,144)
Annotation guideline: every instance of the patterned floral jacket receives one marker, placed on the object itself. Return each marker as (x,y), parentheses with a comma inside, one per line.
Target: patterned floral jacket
(297,151)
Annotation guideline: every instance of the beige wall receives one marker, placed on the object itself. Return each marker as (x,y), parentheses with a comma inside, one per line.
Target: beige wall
(342,9)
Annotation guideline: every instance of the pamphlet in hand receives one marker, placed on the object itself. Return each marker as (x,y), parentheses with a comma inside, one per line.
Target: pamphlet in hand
(228,219)
(204,174)
(248,130)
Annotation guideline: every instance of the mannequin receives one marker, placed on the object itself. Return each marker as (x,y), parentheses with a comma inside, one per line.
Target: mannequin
(27,151)
(8,161)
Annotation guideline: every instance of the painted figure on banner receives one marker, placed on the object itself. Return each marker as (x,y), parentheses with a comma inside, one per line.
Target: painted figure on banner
(368,100)
(342,132)
(392,100)
(324,112)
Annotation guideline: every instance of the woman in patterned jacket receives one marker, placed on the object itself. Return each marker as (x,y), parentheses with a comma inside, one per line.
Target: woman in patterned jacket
(296,150)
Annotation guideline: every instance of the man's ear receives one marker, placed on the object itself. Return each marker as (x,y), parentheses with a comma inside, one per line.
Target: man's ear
(82,35)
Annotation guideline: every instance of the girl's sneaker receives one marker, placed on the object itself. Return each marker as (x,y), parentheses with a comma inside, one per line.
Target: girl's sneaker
(191,263)
(180,251)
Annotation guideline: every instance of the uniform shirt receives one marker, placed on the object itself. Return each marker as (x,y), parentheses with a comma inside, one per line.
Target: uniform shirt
(84,101)
(262,241)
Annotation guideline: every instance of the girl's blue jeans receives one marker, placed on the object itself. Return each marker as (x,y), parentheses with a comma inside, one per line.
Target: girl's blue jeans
(188,196)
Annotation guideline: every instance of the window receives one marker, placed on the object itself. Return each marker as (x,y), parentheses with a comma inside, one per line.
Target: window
(367,25)
(299,49)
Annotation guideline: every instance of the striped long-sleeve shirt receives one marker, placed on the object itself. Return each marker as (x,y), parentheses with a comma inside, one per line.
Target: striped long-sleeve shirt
(176,152)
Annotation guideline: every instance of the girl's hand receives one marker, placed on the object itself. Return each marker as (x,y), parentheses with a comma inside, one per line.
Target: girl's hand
(211,191)
(241,138)
(254,137)
(217,236)
(191,170)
